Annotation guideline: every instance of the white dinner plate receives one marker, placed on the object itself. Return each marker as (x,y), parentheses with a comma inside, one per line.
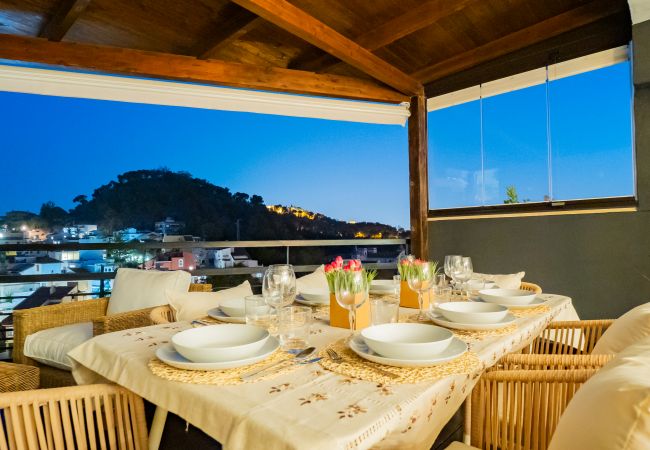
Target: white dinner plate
(169,356)
(534,304)
(455,349)
(303,301)
(217,313)
(315,296)
(440,320)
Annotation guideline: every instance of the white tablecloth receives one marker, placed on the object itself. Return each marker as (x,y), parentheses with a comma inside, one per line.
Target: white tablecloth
(309,408)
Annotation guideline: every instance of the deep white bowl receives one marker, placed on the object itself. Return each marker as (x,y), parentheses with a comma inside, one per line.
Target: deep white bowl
(472,312)
(407,340)
(315,295)
(235,307)
(216,343)
(382,285)
(507,296)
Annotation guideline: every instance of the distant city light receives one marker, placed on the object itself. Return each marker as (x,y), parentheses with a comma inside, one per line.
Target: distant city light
(23,228)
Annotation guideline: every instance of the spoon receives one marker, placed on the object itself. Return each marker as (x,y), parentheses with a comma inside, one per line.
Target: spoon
(302,355)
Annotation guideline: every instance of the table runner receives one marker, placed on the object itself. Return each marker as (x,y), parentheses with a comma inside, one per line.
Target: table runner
(307,408)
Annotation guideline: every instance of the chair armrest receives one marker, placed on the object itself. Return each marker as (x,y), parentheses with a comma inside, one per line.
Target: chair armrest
(162,314)
(122,321)
(570,337)
(536,288)
(521,408)
(519,361)
(29,321)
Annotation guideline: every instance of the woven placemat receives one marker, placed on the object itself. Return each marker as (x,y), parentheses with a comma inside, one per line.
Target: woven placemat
(465,335)
(354,366)
(221,377)
(542,309)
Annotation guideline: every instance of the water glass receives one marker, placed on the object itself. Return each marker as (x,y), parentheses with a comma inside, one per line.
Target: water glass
(294,325)
(384,310)
(258,312)
(397,285)
(441,280)
(441,294)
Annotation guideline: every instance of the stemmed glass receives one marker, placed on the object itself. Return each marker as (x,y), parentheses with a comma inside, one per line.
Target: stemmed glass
(279,286)
(450,262)
(463,270)
(420,277)
(351,291)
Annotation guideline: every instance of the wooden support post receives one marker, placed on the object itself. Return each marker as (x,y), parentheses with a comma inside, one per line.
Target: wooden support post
(418,176)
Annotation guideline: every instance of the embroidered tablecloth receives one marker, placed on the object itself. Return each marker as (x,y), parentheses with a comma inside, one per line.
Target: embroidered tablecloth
(309,408)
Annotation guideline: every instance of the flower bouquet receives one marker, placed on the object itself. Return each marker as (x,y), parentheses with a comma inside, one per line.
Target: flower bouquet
(411,268)
(348,284)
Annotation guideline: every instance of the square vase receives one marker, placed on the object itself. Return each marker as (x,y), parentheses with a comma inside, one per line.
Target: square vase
(339,315)
(409,298)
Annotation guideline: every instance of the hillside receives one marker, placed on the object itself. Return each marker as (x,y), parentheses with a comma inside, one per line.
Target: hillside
(140,198)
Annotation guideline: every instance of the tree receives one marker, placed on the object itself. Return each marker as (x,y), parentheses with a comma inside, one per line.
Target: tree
(81,199)
(53,216)
(511,195)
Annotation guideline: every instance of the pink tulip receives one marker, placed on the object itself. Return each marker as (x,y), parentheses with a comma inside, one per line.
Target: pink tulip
(329,268)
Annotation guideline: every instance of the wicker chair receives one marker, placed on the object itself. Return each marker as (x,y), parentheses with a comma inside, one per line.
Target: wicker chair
(577,337)
(537,289)
(505,405)
(29,321)
(92,416)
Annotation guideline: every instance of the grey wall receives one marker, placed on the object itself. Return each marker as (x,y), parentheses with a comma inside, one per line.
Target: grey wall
(602,261)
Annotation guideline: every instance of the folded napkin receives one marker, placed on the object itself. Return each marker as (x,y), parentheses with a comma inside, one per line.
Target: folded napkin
(314,281)
(508,281)
(195,305)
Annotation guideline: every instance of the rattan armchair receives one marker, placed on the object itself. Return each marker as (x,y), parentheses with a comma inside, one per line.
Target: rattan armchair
(517,403)
(93,416)
(537,289)
(577,337)
(29,321)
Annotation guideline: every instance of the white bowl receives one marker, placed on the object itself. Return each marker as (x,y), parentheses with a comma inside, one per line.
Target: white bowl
(216,343)
(407,340)
(507,297)
(471,312)
(382,285)
(235,307)
(315,295)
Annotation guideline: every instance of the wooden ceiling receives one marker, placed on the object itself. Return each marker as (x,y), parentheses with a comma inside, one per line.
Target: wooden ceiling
(380,50)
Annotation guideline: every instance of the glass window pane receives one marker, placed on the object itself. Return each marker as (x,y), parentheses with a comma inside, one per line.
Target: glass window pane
(515,148)
(591,134)
(455,156)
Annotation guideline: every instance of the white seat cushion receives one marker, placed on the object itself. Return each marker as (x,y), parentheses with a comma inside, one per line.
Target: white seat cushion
(631,327)
(135,289)
(194,305)
(51,346)
(611,411)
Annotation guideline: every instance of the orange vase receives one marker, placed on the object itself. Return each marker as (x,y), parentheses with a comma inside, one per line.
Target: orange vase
(408,298)
(339,315)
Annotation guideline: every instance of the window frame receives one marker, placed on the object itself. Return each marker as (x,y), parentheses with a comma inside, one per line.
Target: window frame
(523,80)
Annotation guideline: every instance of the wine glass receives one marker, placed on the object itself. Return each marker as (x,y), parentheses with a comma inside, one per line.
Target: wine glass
(420,277)
(450,262)
(279,286)
(464,270)
(351,291)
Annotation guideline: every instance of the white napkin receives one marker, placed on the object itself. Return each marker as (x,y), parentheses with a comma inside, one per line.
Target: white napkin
(195,305)
(508,281)
(314,281)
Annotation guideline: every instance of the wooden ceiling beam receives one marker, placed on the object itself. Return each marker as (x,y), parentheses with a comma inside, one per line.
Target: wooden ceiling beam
(187,68)
(554,26)
(297,22)
(236,22)
(401,26)
(65,16)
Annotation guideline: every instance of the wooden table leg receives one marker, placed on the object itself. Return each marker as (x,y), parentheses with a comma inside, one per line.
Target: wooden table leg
(157,427)
(467,422)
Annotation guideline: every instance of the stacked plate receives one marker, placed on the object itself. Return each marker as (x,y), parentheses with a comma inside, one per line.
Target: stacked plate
(230,311)
(511,298)
(218,347)
(407,345)
(313,297)
(382,287)
(471,316)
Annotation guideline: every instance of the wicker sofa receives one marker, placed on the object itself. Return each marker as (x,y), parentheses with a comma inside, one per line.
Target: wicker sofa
(29,321)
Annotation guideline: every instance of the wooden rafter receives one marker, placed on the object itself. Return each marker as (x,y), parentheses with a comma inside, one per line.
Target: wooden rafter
(187,68)
(297,22)
(403,25)
(65,16)
(562,23)
(237,22)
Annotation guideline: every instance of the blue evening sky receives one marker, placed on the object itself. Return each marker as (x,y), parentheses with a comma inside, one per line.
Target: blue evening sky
(55,148)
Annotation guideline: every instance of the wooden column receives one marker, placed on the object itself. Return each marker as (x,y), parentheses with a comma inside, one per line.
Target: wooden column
(418,176)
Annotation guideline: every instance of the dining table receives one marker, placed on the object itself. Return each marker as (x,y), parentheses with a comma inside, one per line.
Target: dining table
(309,407)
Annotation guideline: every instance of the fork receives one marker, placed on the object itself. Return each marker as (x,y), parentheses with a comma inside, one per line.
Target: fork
(337,359)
